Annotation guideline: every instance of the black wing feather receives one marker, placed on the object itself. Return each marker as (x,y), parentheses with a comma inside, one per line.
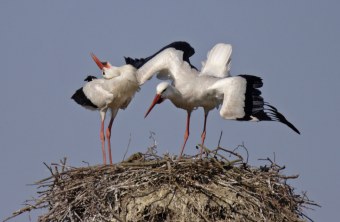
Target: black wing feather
(90,78)
(80,98)
(188,51)
(256,107)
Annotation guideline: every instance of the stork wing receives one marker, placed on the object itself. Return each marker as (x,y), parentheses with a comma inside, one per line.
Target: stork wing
(218,61)
(93,95)
(170,62)
(231,92)
(242,100)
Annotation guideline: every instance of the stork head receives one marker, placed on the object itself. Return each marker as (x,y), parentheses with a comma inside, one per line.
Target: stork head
(163,92)
(108,70)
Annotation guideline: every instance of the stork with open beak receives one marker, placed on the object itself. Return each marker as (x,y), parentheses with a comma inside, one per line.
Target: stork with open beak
(239,96)
(115,90)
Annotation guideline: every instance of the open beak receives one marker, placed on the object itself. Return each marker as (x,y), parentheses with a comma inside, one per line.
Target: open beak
(157,100)
(100,64)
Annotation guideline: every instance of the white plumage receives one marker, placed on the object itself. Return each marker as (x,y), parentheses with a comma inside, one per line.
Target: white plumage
(210,88)
(233,91)
(115,91)
(188,88)
(218,61)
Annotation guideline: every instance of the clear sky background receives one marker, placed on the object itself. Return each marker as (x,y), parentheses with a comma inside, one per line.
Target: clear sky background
(44,57)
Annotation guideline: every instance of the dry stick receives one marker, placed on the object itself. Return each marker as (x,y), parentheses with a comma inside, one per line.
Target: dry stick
(273,164)
(62,166)
(219,140)
(206,150)
(87,163)
(288,177)
(231,152)
(152,149)
(225,159)
(268,159)
(55,176)
(127,147)
(304,215)
(218,144)
(63,163)
(143,164)
(50,169)
(307,200)
(229,163)
(244,147)
(25,209)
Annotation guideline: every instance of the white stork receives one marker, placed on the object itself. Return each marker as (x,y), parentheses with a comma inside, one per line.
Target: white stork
(209,88)
(113,92)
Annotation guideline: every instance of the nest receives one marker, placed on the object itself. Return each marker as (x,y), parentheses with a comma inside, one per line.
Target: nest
(148,187)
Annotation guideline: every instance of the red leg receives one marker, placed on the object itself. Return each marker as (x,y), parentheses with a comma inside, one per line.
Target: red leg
(186,134)
(108,136)
(102,138)
(108,133)
(204,132)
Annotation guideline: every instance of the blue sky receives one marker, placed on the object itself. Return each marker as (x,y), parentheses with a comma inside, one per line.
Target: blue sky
(44,57)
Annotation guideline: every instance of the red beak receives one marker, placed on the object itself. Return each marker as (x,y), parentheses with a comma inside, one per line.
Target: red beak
(157,100)
(100,64)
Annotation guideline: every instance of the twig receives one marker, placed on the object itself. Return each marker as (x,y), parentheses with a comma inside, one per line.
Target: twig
(63,163)
(87,163)
(231,152)
(273,164)
(244,147)
(219,140)
(127,147)
(152,150)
